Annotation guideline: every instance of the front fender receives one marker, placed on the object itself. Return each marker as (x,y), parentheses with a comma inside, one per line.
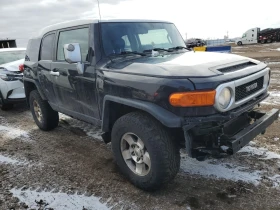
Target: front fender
(164,116)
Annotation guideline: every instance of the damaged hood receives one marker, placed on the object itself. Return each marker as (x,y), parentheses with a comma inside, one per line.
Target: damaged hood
(188,64)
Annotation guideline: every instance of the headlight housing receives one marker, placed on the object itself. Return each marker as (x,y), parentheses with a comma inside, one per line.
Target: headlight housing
(10,76)
(224,98)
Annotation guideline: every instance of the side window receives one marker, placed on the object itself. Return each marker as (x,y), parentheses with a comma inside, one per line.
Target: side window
(47,47)
(73,36)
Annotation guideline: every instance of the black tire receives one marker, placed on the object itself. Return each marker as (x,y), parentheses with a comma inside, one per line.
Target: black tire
(164,153)
(49,117)
(239,43)
(263,41)
(4,106)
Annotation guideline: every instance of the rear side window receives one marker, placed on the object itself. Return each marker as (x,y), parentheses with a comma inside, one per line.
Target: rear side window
(47,47)
(73,36)
(32,51)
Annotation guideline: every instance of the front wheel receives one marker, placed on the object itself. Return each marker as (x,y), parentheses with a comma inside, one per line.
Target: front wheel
(44,116)
(239,43)
(144,151)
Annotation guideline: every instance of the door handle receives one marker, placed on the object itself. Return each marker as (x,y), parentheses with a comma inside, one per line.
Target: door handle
(54,73)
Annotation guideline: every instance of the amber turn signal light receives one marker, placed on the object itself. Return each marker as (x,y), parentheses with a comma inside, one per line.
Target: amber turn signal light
(193,98)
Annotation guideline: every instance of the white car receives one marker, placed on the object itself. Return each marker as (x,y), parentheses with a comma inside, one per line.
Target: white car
(11,85)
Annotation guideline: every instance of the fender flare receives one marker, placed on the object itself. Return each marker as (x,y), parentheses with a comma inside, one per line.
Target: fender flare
(36,83)
(164,116)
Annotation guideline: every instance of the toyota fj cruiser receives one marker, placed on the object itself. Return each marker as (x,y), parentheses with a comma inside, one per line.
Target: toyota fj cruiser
(149,94)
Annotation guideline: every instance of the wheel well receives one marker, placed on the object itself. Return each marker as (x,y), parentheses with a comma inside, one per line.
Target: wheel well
(117,110)
(28,87)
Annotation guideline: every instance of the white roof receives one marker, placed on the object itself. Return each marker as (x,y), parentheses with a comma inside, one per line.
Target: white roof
(78,22)
(11,49)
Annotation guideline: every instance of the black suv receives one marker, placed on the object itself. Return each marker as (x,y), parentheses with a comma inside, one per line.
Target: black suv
(149,94)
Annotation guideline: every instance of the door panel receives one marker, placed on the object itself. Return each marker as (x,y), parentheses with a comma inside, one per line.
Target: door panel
(46,80)
(75,93)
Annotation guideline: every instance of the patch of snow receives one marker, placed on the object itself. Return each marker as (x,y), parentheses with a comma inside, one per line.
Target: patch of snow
(276,139)
(89,129)
(265,153)
(278,49)
(12,133)
(61,201)
(8,160)
(219,171)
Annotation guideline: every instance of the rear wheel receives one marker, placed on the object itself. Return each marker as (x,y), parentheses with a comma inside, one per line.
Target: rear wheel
(44,116)
(5,106)
(263,41)
(239,43)
(144,151)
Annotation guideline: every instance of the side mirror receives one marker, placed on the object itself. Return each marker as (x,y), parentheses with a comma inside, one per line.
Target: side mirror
(72,53)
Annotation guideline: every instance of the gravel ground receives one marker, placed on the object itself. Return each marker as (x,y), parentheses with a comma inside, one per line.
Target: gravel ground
(71,168)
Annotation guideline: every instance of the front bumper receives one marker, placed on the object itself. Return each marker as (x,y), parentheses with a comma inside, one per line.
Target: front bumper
(263,120)
(220,137)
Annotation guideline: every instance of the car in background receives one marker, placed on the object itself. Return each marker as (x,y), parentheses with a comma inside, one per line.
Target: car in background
(11,84)
(195,43)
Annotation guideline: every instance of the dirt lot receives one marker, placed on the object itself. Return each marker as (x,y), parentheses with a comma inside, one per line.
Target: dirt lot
(71,168)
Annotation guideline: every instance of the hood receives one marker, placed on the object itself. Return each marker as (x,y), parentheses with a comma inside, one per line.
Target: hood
(188,64)
(12,66)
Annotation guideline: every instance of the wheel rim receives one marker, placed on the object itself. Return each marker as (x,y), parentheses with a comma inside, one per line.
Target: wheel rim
(37,111)
(135,154)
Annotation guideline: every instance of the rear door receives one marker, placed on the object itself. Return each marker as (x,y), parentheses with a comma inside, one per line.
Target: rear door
(44,66)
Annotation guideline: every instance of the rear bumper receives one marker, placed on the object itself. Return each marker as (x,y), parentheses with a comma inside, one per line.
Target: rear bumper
(242,138)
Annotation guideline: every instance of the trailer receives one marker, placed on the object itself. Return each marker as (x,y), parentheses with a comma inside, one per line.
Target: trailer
(8,43)
(255,35)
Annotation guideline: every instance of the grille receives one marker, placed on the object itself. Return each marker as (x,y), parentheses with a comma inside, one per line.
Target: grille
(236,67)
(244,91)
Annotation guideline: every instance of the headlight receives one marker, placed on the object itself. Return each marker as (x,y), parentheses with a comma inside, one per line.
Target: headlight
(224,98)
(10,76)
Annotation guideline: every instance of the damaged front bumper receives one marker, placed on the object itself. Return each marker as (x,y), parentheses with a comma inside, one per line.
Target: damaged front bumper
(262,121)
(220,137)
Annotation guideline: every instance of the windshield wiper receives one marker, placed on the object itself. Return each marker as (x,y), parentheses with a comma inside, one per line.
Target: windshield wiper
(179,48)
(128,53)
(157,49)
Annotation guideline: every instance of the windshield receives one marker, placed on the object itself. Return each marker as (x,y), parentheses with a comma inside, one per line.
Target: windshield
(10,56)
(139,37)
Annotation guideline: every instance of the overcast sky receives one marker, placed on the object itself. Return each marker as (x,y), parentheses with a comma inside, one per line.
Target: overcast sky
(22,19)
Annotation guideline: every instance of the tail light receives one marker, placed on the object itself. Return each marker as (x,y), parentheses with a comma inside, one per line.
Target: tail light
(21,67)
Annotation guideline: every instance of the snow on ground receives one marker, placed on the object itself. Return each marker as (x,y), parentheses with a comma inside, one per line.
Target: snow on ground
(61,201)
(8,132)
(226,170)
(8,160)
(273,99)
(219,171)
(89,129)
(263,152)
